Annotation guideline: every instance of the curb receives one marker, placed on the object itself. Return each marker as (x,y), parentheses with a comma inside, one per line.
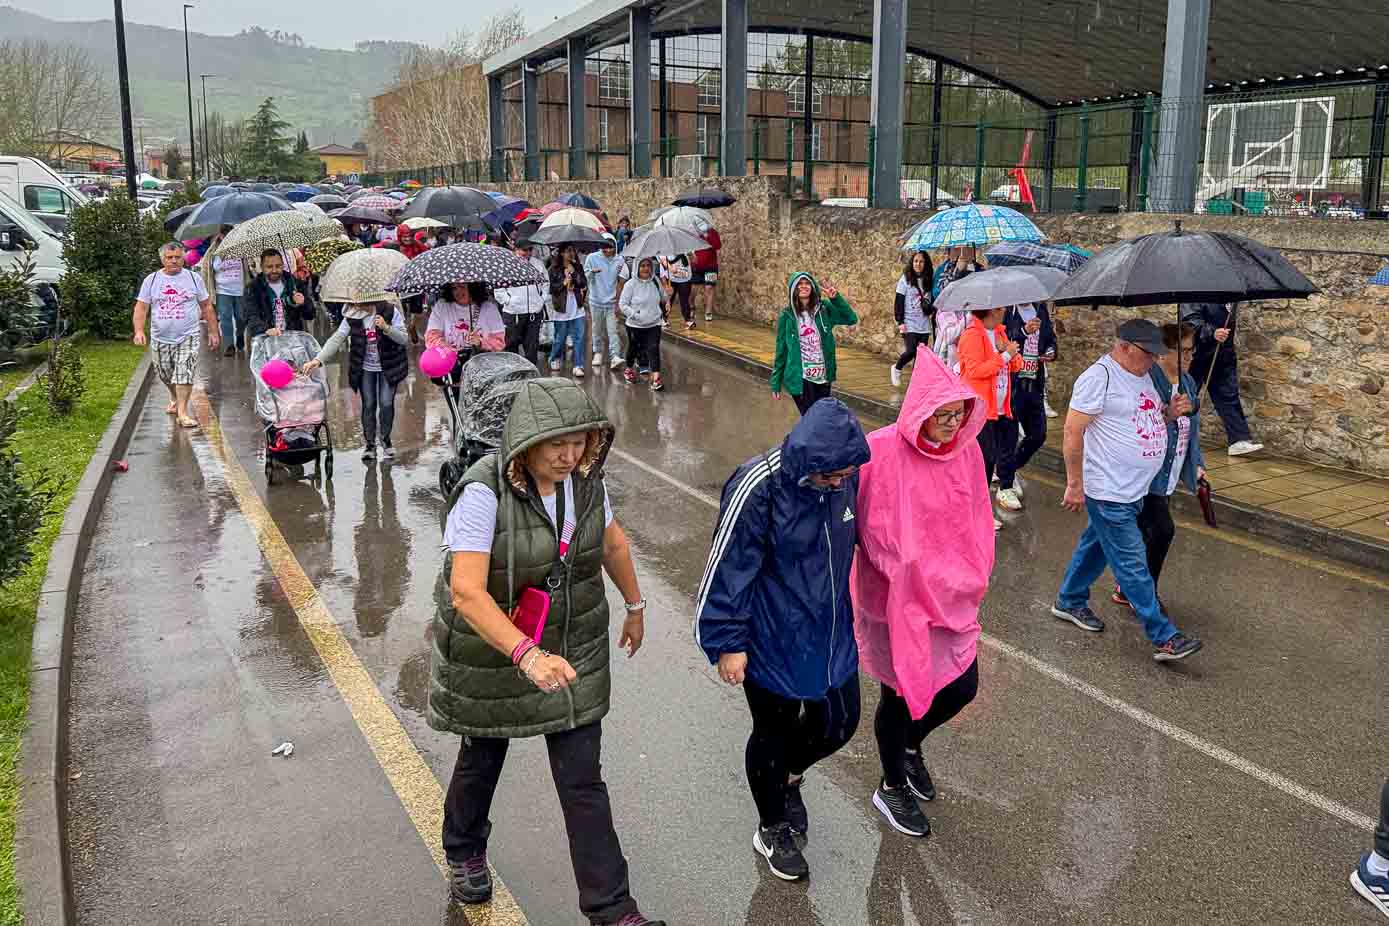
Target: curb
(41,852)
(1338,545)
(27,382)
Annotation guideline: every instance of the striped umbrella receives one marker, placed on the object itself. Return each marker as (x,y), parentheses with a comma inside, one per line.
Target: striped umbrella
(1030,254)
(279,231)
(378,201)
(972,224)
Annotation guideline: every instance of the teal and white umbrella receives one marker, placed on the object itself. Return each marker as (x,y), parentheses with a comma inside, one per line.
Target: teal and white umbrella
(974,224)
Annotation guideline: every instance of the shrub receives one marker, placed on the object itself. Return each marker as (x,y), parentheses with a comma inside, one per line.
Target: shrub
(18,318)
(23,502)
(64,380)
(108,254)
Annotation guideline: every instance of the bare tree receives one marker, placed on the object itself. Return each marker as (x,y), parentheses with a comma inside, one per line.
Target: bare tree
(52,98)
(226,142)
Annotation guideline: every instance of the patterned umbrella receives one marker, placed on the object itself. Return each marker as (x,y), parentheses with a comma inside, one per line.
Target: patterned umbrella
(278,230)
(1381,278)
(464,263)
(419,223)
(321,254)
(571,216)
(1028,253)
(377,201)
(362,276)
(310,208)
(687,216)
(973,223)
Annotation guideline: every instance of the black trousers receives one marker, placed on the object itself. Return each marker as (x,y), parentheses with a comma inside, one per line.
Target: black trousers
(897,732)
(789,736)
(1382,830)
(910,342)
(599,865)
(683,293)
(990,439)
(644,346)
(810,394)
(1224,387)
(1156,525)
(523,335)
(1029,416)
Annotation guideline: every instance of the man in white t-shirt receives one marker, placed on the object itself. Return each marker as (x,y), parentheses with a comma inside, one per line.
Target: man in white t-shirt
(1115,443)
(174,300)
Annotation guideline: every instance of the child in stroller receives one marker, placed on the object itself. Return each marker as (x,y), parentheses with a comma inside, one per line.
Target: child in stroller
(296,415)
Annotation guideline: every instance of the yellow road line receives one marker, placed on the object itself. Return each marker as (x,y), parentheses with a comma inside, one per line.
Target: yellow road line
(1241,539)
(410,776)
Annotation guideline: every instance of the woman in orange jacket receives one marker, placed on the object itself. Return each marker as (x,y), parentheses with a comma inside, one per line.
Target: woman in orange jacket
(987,360)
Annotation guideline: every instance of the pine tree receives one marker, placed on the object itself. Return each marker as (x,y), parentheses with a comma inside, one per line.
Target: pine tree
(266,148)
(302,145)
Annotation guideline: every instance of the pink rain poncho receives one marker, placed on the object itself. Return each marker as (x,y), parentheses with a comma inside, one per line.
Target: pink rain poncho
(926,544)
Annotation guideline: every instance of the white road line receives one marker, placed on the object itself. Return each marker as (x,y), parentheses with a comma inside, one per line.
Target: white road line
(1171,731)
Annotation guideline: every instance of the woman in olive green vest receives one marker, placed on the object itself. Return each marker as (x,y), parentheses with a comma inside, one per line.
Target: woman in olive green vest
(490,682)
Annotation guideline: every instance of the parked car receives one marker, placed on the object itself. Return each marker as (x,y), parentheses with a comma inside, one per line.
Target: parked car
(21,232)
(33,184)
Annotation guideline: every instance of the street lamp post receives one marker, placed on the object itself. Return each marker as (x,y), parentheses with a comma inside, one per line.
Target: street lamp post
(123,77)
(207,162)
(188,75)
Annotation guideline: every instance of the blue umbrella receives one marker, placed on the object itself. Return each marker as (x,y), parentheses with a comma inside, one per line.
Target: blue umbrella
(231,209)
(508,208)
(1381,278)
(1029,253)
(216,190)
(262,187)
(580,200)
(301,194)
(972,224)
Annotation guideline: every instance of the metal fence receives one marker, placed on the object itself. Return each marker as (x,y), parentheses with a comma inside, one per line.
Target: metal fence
(1313,151)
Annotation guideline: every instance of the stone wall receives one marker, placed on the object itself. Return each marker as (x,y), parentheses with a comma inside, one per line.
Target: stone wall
(1313,372)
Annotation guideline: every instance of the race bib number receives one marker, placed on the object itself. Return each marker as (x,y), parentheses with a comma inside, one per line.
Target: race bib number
(711,277)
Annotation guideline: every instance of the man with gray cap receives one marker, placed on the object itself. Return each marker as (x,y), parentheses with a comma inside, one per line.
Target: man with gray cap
(1115,443)
(606,272)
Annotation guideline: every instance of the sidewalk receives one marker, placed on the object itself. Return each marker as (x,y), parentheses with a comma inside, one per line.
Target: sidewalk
(1334,512)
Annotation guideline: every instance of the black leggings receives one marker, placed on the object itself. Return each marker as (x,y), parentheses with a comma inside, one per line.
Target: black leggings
(1155,523)
(910,342)
(990,438)
(644,346)
(789,736)
(810,394)
(898,734)
(682,292)
(1382,830)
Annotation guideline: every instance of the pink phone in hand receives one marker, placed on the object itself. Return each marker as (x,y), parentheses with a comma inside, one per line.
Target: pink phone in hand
(531,613)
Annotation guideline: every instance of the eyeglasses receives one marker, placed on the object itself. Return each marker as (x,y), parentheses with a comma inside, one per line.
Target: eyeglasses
(949,417)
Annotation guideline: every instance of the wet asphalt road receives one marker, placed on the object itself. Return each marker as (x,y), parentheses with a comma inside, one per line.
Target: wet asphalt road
(1056,806)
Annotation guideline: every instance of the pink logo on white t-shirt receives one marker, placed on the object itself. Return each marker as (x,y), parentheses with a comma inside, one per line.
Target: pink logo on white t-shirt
(1149,426)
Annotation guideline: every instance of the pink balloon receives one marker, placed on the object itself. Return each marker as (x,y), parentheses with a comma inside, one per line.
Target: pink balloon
(276,374)
(437,362)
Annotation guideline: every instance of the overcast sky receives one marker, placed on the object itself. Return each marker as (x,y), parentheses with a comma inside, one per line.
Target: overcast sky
(325,23)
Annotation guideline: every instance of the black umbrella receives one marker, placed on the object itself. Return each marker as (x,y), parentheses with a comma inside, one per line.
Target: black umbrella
(705,197)
(362,216)
(578,235)
(326,201)
(175,218)
(464,263)
(232,209)
(459,206)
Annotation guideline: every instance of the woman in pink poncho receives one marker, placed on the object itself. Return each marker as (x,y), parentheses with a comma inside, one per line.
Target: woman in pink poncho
(926,548)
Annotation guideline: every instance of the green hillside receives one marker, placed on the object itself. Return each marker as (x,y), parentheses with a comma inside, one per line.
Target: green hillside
(322,91)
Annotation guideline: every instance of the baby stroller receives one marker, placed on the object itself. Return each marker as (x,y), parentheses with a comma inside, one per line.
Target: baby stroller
(487,387)
(296,417)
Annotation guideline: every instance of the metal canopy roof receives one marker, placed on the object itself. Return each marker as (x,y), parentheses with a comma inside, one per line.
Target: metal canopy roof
(1052,51)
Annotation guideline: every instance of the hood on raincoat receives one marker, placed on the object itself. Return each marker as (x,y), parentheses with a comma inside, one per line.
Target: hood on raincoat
(926,544)
(791,282)
(548,408)
(777,582)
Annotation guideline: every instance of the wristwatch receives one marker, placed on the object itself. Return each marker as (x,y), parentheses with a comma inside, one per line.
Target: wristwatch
(634,606)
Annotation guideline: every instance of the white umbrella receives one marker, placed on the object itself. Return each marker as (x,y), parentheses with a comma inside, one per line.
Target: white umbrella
(688,216)
(420,222)
(574,216)
(361,276)
(310,208)
(278,231)
(992,289)
(663,241)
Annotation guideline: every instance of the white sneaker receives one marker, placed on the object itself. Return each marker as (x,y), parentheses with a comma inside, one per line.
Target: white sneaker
(1017,486)
(1046,406)
(1008,498)
(617,363)
(896,376)
(556,366)
(597,360)
(998,525)
(578,372)
(1241,447)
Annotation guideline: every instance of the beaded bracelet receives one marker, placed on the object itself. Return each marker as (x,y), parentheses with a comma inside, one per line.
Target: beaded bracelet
(532,655)
(521,649)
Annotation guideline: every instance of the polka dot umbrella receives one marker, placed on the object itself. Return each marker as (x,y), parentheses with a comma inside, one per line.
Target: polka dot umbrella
(464,263)
(362,276)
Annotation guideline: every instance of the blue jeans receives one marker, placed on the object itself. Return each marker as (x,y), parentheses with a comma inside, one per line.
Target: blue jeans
(378,401)
(576,331)
(230,319)
(605,319)
(1224,388)
(1112,536)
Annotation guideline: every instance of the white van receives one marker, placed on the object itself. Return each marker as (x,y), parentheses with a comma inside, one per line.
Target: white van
(20,232)
(32,184)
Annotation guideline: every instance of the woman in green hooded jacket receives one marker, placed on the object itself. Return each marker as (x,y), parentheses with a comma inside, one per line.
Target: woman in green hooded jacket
(533,519)
(804,364)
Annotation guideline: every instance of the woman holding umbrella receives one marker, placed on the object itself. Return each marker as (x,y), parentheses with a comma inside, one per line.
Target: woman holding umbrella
(466,320)
(378,362)
(569,299)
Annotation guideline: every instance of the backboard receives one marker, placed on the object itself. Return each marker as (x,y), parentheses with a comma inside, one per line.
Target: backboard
(1268,144)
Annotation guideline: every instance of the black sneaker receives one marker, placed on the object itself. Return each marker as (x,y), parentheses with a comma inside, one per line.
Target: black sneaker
(900,809)
(470,881)
(369,455)
(1082,617)
(1178,647)
(778,846)
(795,809)
(918,779)
(636,919)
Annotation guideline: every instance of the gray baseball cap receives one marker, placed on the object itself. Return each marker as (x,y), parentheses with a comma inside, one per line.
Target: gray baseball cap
(1144,334)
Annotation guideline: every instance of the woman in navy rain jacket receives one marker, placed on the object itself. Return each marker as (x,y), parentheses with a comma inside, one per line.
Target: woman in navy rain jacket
(774,613)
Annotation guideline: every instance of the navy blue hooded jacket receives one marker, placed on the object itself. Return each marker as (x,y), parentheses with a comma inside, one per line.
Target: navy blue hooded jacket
(777,583)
